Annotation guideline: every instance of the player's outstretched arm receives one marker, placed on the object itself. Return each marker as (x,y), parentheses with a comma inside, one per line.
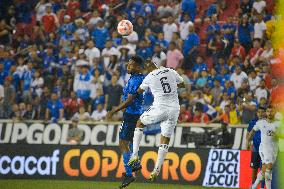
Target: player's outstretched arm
(249,138)
(181,85)
(124,104)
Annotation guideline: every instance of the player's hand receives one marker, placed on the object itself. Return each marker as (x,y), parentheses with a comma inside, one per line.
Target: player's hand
(109,115)
(247,145)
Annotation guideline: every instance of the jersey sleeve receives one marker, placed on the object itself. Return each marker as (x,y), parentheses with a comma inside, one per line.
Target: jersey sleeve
(178,78)
(256,126)
(250,126)
(146,83)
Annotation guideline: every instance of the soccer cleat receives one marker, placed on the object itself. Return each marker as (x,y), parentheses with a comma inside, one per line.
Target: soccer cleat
(134,160)
(126,181)
(153,176)
(136,168)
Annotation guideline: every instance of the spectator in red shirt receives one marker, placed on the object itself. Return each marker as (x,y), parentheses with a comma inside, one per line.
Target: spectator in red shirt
(238,50)
(71,6)
(49,20)
(184,115)
(255,52)
(200,116)
(72,104)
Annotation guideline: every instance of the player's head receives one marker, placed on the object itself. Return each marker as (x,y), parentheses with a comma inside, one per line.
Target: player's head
(150,65)
(270,112)
(261,113)
(135,65)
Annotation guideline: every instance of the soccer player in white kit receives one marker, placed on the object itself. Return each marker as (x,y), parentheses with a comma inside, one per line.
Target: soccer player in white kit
(163,84)
(268,148)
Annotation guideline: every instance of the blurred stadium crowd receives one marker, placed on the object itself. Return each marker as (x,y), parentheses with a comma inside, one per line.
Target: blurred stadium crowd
(60,59)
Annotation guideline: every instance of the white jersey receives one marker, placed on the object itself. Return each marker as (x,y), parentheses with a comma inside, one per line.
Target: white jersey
(162,83)
(267,129)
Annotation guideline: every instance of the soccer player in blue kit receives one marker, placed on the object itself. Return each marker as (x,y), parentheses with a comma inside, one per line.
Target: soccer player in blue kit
(133,105)
(255,157)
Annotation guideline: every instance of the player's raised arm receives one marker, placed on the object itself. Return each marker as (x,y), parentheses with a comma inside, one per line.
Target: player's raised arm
(179,79)
(122,106)
(249,138)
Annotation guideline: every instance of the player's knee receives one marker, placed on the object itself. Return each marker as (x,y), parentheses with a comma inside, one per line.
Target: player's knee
(140,124)
(124,145)
(268,174)
(164,147)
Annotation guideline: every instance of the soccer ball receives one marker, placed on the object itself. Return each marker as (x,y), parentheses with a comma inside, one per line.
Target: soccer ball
(124,27)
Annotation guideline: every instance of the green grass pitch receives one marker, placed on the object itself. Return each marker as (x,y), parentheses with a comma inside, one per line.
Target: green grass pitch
(55,184)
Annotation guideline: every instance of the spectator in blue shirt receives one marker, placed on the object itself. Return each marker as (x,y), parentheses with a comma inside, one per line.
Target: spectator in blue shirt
(82,83)
(221,64)
(143,50)
(16,78)
(67,24)
(134,8)
(100,35)
(150,38)
(230,89)
(27,81)
(100,99)
(54,109)
(48,60)
(116,40)
(163,43)
(189,7)
(202,81)
(245,33)
(148,9)
(212,9)
(7,64)
(229,29)
(190,48)
(199,65)
(67,36)
(3,74)
(213,28)
(156,27)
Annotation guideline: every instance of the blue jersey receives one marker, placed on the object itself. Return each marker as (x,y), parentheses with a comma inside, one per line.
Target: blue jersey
(54,107)
(257,136)
(136,107)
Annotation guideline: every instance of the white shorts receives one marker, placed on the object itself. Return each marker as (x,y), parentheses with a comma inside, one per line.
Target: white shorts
(268,154)
(167,117)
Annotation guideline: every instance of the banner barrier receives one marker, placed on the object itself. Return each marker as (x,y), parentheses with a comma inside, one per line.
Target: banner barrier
(106,134)
(41,151)
(96,163)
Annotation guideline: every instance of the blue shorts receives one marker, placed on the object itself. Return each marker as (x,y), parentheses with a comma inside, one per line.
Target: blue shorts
(255,162)
(127,127)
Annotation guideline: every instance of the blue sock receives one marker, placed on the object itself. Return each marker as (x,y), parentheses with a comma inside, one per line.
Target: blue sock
(126,157)
(262,184)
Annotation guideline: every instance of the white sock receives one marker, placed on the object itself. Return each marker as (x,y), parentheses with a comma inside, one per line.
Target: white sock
(258,179)
(162,152)
(138,133)
(268,178)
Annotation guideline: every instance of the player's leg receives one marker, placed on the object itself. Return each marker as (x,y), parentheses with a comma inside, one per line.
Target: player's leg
(254,164)
(261,175)
(268,175)
(258,164)
(152,116)
(270,155)
(162,152)
(167,129)
(125,138)
(126,153)
(138,133)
